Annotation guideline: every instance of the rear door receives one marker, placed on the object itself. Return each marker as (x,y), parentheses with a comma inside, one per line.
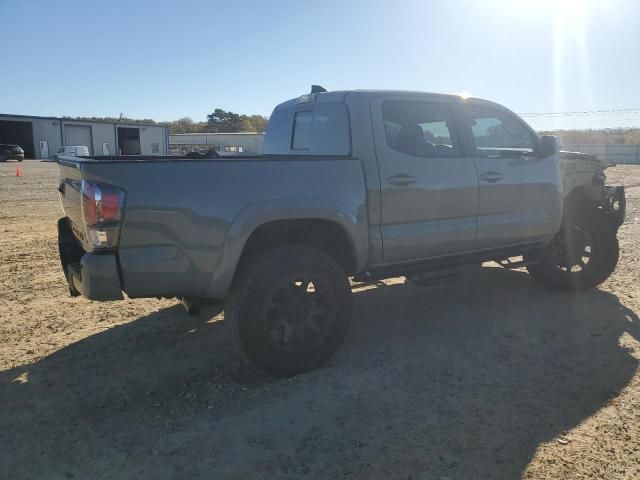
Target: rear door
(520,193)
(44,149)
(429,183)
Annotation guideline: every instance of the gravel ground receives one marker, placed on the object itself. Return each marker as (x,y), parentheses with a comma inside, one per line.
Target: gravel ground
(486,377)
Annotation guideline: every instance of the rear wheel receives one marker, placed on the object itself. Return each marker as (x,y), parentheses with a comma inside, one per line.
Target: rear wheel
(583,254)
(291,310)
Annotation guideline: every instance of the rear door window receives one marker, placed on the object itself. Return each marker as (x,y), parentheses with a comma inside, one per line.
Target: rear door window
(420,129)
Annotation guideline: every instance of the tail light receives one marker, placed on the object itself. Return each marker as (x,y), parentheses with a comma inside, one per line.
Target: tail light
(102,207)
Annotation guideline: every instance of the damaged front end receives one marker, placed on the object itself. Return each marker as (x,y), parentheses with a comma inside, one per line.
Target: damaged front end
(613,204)
(587,171)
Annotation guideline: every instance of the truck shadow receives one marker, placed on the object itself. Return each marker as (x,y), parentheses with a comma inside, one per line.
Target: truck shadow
(462,380)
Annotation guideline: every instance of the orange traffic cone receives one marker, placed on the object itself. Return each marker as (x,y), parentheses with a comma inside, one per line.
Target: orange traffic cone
(18,172)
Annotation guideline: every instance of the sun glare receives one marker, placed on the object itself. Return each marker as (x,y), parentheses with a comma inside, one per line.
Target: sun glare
(570,7)
(567,22)
(570,45)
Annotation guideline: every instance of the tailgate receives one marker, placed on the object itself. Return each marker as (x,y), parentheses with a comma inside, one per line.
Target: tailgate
(69,184)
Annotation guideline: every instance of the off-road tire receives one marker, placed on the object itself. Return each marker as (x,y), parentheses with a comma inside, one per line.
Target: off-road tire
(246,321)
(601,264)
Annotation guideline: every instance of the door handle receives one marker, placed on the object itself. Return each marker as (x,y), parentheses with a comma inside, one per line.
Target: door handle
(401,180)
(491,176)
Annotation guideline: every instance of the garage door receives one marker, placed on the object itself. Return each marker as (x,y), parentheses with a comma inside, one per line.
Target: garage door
(78,135)
(18,133)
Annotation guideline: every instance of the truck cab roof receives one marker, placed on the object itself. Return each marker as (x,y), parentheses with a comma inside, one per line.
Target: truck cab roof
(340,96)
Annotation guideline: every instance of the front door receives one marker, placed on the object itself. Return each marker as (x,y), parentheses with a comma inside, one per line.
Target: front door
(44,149)
(520,197)
(429,186)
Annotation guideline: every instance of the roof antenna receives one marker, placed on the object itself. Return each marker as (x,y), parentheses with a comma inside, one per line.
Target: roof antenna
(318,89)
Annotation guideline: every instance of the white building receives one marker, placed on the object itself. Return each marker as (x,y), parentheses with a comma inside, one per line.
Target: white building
(42,137)
(223,143)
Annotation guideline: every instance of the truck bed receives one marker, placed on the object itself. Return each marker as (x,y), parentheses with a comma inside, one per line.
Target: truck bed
(146,158)
(186,220)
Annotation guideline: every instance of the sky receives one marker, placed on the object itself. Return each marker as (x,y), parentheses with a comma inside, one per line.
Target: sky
(170,59)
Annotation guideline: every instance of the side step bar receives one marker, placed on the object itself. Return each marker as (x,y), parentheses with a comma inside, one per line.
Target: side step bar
(445,263)
(426,280)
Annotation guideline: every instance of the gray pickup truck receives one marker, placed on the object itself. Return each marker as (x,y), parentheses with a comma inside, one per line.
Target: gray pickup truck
(352,184)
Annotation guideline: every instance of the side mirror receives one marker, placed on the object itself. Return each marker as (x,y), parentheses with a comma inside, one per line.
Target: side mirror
(550,145)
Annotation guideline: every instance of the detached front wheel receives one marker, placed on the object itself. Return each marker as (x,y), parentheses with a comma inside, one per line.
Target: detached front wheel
(290,311)
(583,254)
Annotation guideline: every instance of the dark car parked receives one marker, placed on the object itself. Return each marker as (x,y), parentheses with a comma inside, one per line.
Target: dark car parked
(11,152)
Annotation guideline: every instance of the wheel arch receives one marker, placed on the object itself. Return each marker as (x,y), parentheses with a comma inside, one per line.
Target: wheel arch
(580,197)
(319,224)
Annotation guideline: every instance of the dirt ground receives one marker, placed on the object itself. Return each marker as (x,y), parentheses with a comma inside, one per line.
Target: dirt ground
(487,377)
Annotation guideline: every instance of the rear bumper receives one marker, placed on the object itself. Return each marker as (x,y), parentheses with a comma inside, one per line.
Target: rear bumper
(94,276)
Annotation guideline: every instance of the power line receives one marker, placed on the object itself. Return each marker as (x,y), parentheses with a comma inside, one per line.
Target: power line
(598,121)
(613,111)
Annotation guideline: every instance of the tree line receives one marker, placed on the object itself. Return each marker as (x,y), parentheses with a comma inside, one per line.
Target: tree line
(219,121)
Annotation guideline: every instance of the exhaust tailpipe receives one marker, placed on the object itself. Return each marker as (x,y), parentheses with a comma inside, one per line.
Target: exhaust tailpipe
(191,305)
